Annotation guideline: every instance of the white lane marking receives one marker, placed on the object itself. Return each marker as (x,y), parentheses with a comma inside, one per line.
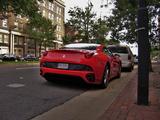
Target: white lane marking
(15,85)
(23,68)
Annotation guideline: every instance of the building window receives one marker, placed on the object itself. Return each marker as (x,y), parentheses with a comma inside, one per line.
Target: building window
(50,5)
(1,38)
(57,27)
(44,3)
(59,37)
(60,11)
(6,38)
(57,19)
(16,25)
(43,13)
(20,40)
(57,11)
(4,23)
(60,28)
(16,40)
(50,16)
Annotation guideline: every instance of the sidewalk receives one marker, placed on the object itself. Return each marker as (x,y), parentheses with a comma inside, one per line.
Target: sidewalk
(125,107)
(117,102)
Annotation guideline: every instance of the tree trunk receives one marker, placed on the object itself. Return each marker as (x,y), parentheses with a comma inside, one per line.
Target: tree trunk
(150,63)
(40,48)
(35,48)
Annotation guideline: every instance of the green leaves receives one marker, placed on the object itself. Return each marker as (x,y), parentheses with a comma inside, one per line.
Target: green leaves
(123,21)
(42,30)
(82,20)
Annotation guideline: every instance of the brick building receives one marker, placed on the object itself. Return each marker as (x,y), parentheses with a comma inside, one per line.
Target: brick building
(20,43)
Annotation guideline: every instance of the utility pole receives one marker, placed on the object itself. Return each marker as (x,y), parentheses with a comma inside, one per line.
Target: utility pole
(159,30)
(143,54)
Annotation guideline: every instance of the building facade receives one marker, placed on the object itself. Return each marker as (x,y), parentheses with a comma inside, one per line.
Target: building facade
(13,37)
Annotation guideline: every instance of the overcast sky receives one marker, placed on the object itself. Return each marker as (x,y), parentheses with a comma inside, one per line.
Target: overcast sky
(83,3)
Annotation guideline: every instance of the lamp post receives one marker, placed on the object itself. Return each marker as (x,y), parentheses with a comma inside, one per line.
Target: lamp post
(143,54)
(11,26)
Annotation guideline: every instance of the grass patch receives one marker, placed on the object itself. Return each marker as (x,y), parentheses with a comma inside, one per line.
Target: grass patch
(155,53)
(19,62)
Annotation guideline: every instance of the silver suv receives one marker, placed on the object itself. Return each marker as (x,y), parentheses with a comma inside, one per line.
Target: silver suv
(125,54)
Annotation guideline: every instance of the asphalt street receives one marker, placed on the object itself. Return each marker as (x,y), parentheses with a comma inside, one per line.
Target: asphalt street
(24,94)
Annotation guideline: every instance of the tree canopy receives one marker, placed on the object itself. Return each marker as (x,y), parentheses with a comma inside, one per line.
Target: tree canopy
(89,28)
(82,20)
(123,22)
(42,30)
(25,8)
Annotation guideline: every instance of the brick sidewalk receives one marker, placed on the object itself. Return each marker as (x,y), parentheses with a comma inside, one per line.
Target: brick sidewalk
(125,107)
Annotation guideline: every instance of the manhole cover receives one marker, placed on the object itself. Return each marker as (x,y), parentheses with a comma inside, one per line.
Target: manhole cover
(15,85)
(21,78)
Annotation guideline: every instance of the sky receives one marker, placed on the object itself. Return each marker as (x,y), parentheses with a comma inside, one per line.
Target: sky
(83,3)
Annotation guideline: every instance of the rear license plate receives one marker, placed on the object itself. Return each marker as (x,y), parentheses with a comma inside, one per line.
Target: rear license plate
(62,65)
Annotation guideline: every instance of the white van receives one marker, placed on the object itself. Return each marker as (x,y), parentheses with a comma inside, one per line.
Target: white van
(126,55)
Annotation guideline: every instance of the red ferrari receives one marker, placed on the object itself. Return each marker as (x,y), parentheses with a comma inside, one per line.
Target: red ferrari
(92,63)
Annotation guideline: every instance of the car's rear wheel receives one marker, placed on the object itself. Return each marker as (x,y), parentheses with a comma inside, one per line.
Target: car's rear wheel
(48,78)
(105,78)
(130,69)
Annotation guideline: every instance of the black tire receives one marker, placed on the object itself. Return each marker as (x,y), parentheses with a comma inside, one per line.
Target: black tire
(105,80)
(48,78)
(130,69)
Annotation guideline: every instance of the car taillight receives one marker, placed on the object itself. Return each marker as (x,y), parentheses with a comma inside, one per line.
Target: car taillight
(129,57)
(42,64)
(45,53)
(89,55)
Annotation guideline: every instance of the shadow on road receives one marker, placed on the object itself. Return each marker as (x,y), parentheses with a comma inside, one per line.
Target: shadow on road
(73,84)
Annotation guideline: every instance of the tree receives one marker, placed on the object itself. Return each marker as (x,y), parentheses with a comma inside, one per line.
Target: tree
(42,30)
(100,31)
(25,8)
(82,20)
(122,23)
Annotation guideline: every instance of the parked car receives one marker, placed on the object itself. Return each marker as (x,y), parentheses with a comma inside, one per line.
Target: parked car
(30,57)
(1,57)
(10,57)
(126,55)
(92,63)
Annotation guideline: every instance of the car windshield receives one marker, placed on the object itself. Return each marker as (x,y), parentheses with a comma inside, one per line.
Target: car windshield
(118,49)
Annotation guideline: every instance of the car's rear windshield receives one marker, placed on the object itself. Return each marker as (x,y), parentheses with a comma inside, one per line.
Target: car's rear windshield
(80,47)
(118,49)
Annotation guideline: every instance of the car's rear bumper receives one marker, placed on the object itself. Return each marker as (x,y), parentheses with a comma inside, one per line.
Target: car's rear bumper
(86,76)
(127,64)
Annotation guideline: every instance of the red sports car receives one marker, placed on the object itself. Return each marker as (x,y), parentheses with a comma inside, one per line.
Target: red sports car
(92,63)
